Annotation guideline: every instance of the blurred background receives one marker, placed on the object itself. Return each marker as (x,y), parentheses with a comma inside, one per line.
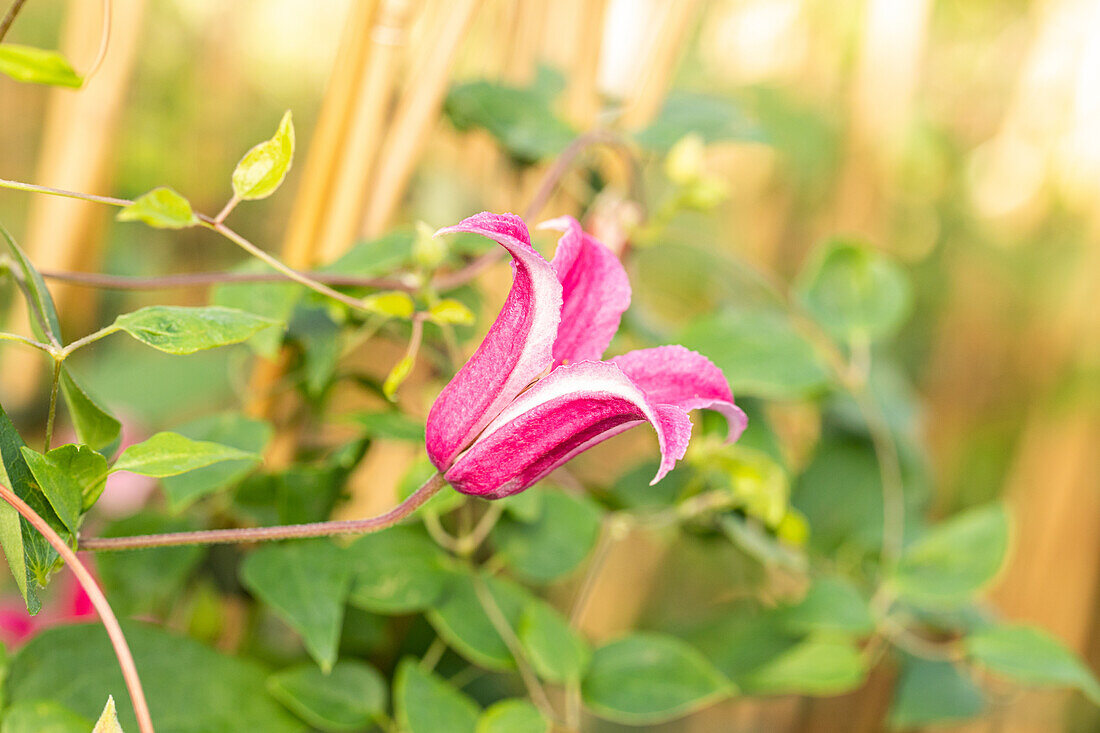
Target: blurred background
(960,137)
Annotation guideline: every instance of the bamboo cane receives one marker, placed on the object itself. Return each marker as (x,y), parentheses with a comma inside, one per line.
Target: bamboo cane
(659,64)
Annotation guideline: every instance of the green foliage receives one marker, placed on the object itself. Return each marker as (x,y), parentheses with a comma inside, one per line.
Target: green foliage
(37,66)
(855,291)
(190,688)
(161,208)
(713,118)
(823,665)
(555,650)
(554,544)
(389,426)
(954,560)
(43,313)
(274,300)
(108,719)
(424,703)
(306,583)
(262,169)
(43,716)
(521,119)
(831,605)
(934,693)
(181,330)
(95,427)
(398,570)
(347,698)
(72,477)
(648,678)
(170,454)
(391,304)
(512,716)
(1031,656)
(463,622)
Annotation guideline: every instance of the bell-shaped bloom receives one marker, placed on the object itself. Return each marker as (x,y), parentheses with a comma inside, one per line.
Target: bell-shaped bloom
(536,393)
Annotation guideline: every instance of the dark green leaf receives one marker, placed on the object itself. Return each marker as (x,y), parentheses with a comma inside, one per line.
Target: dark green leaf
(760,353)
(556,651)
(263,168)
(955,559)
(182,330)
(390,426)
(161,208)
(169,454)
(424,703)
(463,623)
(347,698)
(1031,656)
(832,604)
(95,427)
(512,716)
(855,291)
(72,477)
(555,543)
(741,641)
(306,584)
(37,66)
(648,678)
(816,666)
(230,429)
(43,716)
(190,688)
(934,693)
(398,570)
(715,118)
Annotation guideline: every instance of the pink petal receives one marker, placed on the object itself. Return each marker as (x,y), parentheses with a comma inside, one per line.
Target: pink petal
(515,352)
(674,375)
(595,292)
(575,407)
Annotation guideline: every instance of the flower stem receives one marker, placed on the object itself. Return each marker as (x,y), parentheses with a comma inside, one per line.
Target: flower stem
(52,410)
(283,532)
(99,601)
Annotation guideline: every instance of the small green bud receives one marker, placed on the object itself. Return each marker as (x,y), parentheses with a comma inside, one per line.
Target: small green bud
(684,163)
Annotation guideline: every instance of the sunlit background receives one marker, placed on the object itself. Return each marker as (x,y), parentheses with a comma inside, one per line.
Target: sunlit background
(961,137)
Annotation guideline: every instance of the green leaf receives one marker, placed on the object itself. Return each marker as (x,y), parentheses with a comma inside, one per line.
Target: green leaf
(816,666)
(832,604)
(453,312)
(43,316)
(1031,656)
(955,559)
(227,429)
(348,698)
(390,426)
(381,256)
(72,477)
(760,353)
(391,304)
(161,208)
(648,678)
(462,622)
(713,118)
(522,120)
(37,66)
(742,641)
(397,570)
(190,688)
(274,300)
(397,377)
(43,716)
(306,584)
(108,719)
(934,693)
(424,703)
(512,716)
(263,168)
(168,454)
(555,543)
(526,506)
(147,582)
(182,330)
(854,290)
(418,473)
(95,427)
(556,651)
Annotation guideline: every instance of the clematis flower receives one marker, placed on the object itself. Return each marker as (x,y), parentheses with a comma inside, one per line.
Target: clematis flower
(536,392)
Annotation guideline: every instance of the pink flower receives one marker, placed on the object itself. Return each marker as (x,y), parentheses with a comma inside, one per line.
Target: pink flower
(536,392)
(69,605)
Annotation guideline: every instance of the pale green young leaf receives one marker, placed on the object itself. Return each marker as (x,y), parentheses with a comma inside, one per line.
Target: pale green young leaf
(184,330)
(346,699)
(397,377)
(512,716)
(1031,656)
(161,208)
(649,678)
(306,583)
(37,66)
(424,703)
(108,719)
(390,303)
(262,169)
(169,454)
(95,427)
(451,312)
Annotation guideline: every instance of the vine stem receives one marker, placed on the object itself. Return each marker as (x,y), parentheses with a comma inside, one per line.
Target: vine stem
(52,410)
(99,601)
(282,532)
